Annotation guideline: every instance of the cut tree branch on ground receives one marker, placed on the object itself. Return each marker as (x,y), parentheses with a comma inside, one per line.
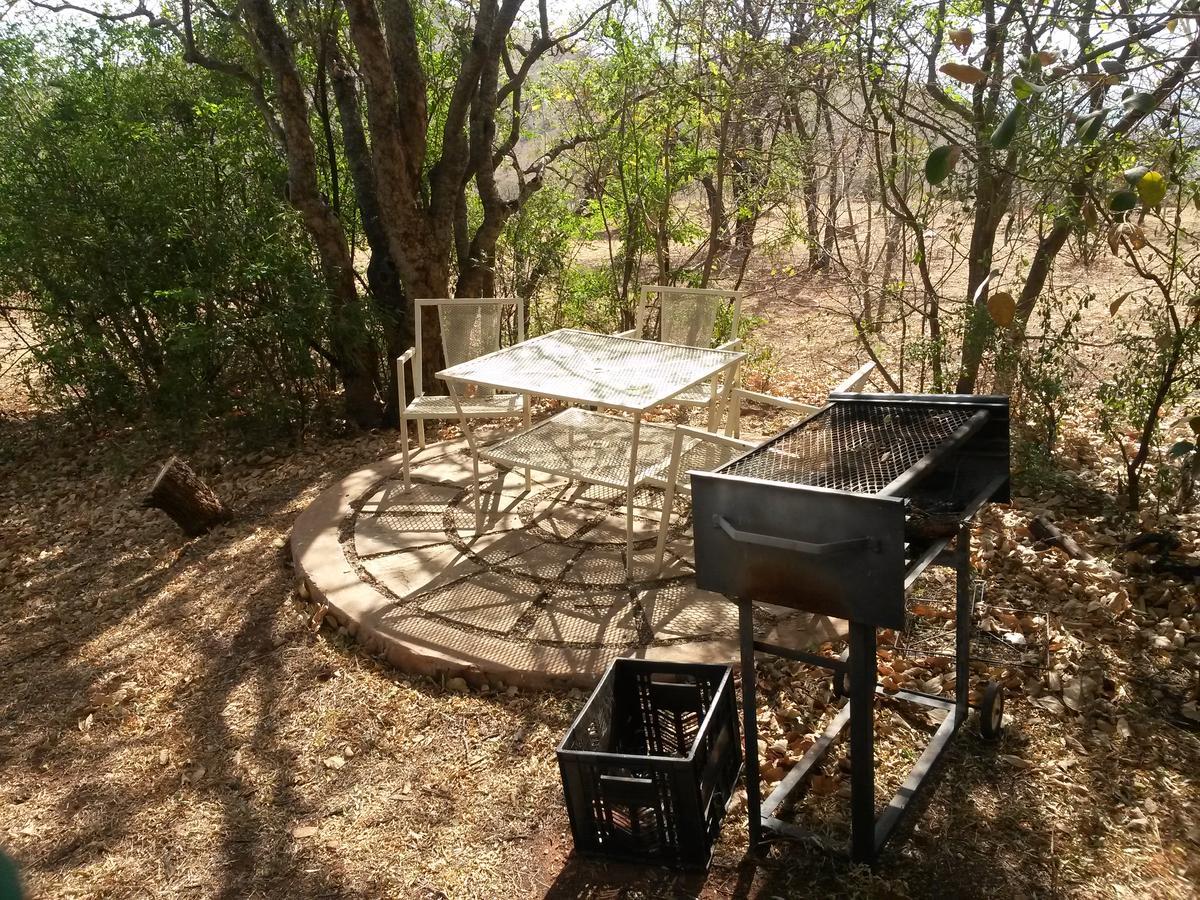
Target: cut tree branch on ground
(1047,532)
(182,494)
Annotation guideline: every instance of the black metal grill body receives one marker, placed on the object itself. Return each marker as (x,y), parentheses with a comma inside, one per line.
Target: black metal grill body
(815,519)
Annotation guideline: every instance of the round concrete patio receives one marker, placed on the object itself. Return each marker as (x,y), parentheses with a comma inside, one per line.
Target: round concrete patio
(540,597)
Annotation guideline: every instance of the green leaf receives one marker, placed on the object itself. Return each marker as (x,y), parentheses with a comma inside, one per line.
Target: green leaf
(941,163)
(1087,129)
(1007,130)
(1024,89)
(1152,188)
(1122,201)
(1139,102)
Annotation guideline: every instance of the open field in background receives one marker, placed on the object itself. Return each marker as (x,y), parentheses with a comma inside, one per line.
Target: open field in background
(177,721)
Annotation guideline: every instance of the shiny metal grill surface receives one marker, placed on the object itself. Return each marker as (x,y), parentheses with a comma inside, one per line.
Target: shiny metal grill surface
(855,447)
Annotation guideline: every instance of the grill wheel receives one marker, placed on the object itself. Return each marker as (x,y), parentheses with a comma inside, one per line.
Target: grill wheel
(991,712)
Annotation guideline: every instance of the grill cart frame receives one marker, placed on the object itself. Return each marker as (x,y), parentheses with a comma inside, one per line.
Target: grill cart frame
(796,538)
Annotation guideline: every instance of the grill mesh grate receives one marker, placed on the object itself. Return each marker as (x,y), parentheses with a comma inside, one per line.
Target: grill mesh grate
(855,447)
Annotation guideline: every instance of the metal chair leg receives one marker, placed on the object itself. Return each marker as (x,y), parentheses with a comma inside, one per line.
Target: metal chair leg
(750,725)
(404,451)
(664,525)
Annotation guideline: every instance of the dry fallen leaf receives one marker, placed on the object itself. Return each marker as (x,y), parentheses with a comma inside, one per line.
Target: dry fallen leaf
(964,73)
(304,831)
(1016,762)
(335,762)
(823,785)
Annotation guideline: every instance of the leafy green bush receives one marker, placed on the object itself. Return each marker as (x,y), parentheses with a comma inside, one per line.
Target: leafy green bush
(145,239)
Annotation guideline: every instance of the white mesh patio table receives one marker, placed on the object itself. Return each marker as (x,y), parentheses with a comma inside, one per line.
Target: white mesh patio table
(600,370)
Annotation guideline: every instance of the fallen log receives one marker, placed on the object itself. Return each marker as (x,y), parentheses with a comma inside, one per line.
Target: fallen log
(1047,532)
(182,494)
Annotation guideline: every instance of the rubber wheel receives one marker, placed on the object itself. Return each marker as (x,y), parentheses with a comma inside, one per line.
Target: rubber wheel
(841,684)
(991,712)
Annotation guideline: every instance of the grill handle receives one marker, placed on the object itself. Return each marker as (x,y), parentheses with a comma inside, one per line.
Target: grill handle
(766,540)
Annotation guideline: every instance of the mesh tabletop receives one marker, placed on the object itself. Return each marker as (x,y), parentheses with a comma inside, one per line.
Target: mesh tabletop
(601,369)
(589,446)
(856,447)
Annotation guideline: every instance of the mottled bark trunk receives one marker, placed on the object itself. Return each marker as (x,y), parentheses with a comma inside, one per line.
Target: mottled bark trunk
(992,193)
(832,197)
(354,357)
(383,278)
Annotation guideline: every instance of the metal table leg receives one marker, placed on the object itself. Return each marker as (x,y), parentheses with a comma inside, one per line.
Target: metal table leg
(452,389)
(630,490)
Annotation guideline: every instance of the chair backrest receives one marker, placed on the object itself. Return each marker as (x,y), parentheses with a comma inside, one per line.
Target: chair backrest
(684,315)
(470,327)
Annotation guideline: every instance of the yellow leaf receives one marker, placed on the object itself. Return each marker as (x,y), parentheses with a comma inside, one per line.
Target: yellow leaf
(1002,308)
(1171,25)
(964,73)
(961,38)
(1045,57)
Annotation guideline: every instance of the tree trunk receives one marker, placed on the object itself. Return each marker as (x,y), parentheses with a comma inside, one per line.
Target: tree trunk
(354,358)
(383,278)
(181,494)
(829,239)
(991,200)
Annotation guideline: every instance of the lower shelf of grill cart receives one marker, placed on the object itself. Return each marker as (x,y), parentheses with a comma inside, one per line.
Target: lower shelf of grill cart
(887,820)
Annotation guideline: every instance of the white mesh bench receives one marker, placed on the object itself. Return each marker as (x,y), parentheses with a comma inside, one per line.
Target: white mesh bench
(610,371)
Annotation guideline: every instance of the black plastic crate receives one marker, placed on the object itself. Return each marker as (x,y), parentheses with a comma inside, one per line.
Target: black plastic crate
(650,765)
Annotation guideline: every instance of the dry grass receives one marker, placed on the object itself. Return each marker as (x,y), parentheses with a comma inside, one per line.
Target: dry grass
(171,725)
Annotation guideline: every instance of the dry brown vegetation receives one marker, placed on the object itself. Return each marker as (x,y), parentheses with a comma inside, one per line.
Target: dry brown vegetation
(173,724)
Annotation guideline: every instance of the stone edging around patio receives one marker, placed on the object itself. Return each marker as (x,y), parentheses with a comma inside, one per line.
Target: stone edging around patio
(520,604)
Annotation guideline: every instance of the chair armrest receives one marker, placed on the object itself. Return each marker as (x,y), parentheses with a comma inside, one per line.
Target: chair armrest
(855,381)
(668,476)
(773,400)
(402,395)
(735,344)
(682,431)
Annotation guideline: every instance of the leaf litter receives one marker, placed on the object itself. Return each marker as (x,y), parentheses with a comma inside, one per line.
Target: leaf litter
(173,710)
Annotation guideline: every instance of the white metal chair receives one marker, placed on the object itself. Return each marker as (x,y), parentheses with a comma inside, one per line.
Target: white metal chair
(689,316)
(470,327)
(740,396)
(697,450)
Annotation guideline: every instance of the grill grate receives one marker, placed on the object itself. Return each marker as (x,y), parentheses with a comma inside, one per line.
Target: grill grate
(855,447)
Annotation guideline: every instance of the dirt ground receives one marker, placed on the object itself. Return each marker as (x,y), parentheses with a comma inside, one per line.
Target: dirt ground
(176,721)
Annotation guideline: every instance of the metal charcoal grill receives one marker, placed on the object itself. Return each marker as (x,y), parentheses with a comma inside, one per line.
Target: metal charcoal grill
(839,516)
